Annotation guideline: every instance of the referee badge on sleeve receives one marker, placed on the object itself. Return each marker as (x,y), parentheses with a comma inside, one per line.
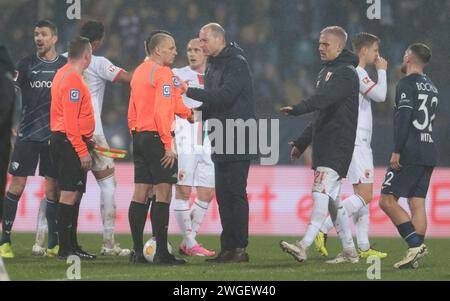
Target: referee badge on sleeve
(176,82)
(75,95)
(166,90)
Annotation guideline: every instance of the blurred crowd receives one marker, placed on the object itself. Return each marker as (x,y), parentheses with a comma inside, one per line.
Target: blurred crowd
(279,38)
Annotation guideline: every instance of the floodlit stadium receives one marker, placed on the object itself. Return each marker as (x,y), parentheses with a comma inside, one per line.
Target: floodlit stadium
(374,132)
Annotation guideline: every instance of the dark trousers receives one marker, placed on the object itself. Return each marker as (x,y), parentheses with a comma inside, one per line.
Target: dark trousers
(231,192)
(7,98)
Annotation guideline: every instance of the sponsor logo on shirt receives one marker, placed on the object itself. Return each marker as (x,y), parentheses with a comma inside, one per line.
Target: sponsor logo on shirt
(41,84)
(75,95)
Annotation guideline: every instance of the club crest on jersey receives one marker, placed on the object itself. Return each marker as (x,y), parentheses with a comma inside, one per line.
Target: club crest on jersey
(176,82)
(329,74)
(15,166)
(74,95)
(166,90)
(112,68)
(366,80)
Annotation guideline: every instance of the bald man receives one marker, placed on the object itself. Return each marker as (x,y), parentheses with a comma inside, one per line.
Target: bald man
(228,96)
(332,136)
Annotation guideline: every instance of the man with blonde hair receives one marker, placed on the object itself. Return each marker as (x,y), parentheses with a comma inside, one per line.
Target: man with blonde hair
(332,136)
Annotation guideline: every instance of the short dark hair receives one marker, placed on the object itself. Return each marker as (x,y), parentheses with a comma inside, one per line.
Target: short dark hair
(49,24)
(77,47)
(422,52)
(152,34)
(156,40)
(92,30)
(364,39)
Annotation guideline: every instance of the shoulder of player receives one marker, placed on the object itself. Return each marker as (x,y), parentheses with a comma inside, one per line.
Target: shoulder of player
(63,59)
(361,72)
(100,59)
(406,82)
(95,62)
(163,73)
(185,73)
(71,80)
(181,71)
(237,60)
(26,60)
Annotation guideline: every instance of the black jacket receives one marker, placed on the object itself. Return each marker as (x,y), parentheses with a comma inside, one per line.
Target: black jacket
(333,133)
(228,95)
(7,98)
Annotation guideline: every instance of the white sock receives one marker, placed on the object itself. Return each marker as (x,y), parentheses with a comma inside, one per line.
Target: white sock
(342,224)
(3,274)
(183,217)
(318,216)
(41,225)
(352,204)
(198,212)
(327,225)
(108,209)
(362,221)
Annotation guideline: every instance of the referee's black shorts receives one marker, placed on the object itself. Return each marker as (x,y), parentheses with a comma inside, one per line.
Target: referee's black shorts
(70,175)
(148,150)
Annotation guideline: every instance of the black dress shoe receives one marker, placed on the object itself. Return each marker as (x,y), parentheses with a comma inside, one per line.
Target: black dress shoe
(167,259)
(224,256)
(83,254)
(137,258)
(63,256)
(240,255)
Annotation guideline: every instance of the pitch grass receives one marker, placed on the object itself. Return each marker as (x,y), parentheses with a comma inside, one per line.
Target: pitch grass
(267,262)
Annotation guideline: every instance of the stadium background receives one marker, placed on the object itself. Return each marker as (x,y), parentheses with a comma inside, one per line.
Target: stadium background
(280,41)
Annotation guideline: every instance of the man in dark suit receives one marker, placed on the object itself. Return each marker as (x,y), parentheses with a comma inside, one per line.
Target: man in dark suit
(229,107)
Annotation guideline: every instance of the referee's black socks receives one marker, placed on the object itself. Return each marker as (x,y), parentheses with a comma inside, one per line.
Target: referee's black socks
(73,232)
(137,214)
(151,203)
(161,221)
(64,217)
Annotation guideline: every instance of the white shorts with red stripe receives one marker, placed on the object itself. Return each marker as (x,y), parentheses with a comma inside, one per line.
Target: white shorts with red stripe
(361,168)
(195,167)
